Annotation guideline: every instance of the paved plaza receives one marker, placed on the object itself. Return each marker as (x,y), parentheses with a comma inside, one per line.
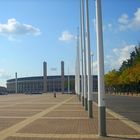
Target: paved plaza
(43,117)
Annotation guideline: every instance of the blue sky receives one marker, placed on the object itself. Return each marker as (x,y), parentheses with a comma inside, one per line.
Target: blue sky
(33,31)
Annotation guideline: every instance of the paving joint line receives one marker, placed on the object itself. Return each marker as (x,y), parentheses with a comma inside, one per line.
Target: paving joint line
(13,117)
(9,105)
(124,136)
(75,136)
(14,109)
(31,135)
(65,118)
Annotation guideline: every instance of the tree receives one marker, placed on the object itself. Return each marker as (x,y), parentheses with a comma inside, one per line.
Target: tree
(127,79)
(111,81)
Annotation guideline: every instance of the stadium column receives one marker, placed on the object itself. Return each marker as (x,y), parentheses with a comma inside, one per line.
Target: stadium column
(90,112)
(85,65)
(82,65)
(100,59)
(62,77)
(44,77)
(16,83)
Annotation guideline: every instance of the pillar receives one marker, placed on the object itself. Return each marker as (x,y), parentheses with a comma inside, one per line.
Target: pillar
(16,84)
(44,77)
(62,77)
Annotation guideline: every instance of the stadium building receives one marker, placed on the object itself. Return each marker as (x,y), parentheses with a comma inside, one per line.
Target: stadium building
(44,84)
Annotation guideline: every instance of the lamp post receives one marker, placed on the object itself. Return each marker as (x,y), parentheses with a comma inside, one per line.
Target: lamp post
(68,81)
(100,58)
(78,65)
(76,75)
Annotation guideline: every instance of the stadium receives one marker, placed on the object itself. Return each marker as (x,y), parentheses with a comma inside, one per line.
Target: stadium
(43,84)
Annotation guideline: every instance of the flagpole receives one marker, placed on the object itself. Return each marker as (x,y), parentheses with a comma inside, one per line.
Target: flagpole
(90,112)
(82,63)
(85,65)
(100,57)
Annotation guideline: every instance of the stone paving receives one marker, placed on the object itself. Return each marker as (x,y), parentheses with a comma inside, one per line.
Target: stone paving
(43,117)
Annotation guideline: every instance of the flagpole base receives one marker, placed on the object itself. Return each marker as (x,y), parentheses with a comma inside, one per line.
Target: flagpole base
(90,112)
(85,104)
(82,100)
(102,121)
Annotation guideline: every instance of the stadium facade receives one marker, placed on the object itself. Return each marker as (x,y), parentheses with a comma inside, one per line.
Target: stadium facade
(44,84)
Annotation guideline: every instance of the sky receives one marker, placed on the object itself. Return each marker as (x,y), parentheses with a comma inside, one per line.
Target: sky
(33,31)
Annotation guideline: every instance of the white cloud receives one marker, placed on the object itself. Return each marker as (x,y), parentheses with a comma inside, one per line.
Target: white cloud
(66,36)
(4,74)
(115,59)
(130,23)
(14,28)
(118,55)
(3,77)
(123,19)
(123,53)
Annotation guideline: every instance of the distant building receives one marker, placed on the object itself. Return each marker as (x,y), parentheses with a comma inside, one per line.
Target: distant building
(3,90)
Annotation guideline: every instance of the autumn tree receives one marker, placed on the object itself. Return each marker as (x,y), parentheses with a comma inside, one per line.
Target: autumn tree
(127,79)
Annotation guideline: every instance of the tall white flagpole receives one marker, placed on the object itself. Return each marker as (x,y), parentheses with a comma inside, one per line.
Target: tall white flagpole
(82,63)
(90,112)
(78,64)
(76,74)
(85,65)
(100,57)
